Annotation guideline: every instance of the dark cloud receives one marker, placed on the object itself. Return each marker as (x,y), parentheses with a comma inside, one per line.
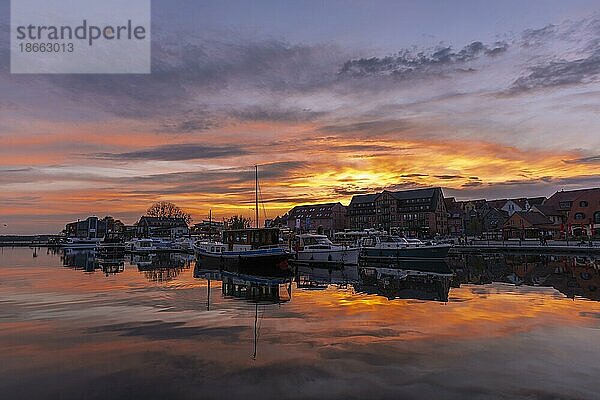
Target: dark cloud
(407,62)
(448,177)
(176,152)
(472,184)
(558,73)
(221,181)
(584,160)
(182,71)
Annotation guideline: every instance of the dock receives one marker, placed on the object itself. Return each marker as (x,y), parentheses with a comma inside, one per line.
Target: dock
(528,247)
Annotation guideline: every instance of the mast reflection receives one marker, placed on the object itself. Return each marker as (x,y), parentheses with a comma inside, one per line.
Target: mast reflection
(271,286)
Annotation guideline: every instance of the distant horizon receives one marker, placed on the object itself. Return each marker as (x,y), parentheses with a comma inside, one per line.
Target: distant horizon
(485,99)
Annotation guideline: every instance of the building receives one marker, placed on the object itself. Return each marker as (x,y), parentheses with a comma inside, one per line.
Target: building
(417,212)
(519,204)
(93,227)
(529,225)
(361,212)
(456,217)
(331,217)
(578,210)
(493,221)
(164,227)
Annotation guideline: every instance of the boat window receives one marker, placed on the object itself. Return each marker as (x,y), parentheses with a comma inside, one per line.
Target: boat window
(212,249)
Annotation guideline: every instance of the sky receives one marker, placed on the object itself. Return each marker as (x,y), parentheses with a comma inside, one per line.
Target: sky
(486,99)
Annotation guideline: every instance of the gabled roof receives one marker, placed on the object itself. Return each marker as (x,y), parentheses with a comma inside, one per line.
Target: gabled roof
(548,210)
(415,193)
(363,198)
(324,210)
(567,195)
(496,211)
(534,201)
(534,218)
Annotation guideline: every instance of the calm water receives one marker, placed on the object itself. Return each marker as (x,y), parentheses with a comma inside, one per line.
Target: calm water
(73,327)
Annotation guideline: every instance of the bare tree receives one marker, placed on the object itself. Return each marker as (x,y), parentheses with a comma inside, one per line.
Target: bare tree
(169,210)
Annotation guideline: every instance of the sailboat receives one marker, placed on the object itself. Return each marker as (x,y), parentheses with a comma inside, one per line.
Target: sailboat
(250,248)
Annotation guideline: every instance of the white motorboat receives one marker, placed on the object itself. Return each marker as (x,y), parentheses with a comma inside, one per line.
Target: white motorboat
(140,245)
(389,249)
(81,243)
(318,248)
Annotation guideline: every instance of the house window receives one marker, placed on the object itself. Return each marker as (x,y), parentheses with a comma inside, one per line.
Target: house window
(579,216)
(565,204)
(597,217)
(583,203)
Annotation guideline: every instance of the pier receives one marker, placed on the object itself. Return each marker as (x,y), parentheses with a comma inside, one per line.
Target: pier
(528,247)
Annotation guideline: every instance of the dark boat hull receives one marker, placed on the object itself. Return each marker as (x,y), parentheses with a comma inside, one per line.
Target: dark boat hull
(244,263)
(373,256)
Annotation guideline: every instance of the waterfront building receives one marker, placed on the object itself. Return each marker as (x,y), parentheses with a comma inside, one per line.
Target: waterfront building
(456,217)
(163,227)
(93,227)
(579,211)
(361,212)
(330,217)
(529,225)
(518,204)
(493,221)
(417,212)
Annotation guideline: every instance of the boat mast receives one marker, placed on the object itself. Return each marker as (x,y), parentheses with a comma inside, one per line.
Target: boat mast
(256,193)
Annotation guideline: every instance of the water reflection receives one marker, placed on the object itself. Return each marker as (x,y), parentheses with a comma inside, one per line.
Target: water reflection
(414,280)
(161,267)
(572,276)
(158,268)
(494,327)
(271,286)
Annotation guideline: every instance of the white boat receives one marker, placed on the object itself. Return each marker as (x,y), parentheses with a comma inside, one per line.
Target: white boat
(389,249)
(81,243)
(140,245)
(184,244)
(318,248)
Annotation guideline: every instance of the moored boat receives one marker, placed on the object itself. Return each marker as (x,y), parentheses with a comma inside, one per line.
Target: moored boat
(140,245)
(249,248)
(81,243)
(252,248)
(387,250)
(311,248)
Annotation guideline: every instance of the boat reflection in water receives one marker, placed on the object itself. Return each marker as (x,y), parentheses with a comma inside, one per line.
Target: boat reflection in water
(79,259)
(161,267)
(572,276)
(270,286)
(318,278)
(419,280)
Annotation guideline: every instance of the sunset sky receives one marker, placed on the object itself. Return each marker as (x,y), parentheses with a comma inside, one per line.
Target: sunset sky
(486,99)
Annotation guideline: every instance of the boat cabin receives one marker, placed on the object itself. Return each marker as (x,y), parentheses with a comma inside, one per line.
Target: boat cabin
(251,238)
(310,241)
(384,242)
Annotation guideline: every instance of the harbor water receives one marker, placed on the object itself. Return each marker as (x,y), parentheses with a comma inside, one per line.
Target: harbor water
(73,326)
